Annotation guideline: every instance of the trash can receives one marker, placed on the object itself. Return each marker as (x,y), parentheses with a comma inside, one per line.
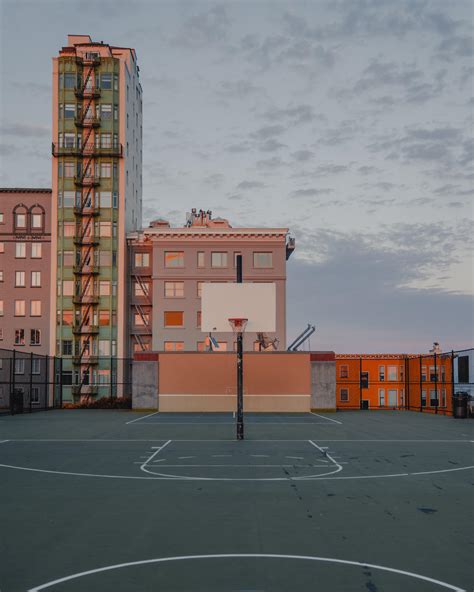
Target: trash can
(460,405)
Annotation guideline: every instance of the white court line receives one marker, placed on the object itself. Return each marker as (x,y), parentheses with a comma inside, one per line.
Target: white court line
(400,572)
(140,418)
(328,418)
(126,440)
(247,466)
(327,455)
(157,451)
(3,441)
(246,422)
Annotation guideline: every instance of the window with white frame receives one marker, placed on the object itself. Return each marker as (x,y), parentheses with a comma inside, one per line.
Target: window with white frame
(19,308)
(174,289)
(20,250)
(104,347)
(2,247)
(263,260)
(19,337)
(142,259)
(36,279)
(19,366)
(218,259)
(2,218)
(381,397)
(20,279)
(174,345)
(36,250)
(392,373)
(35,337)
(69,111)
(201,259)
(1,308)
(35,395)
(382,374)
(35,308)
(36,366)
(106,170)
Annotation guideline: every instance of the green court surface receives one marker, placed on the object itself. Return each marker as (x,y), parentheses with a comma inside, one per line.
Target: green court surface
(120,501)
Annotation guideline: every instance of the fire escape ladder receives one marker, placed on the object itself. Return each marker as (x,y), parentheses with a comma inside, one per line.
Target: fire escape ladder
(144,288)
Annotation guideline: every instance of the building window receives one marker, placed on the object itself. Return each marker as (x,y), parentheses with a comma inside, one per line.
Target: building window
(344,371)
(343,395)
(198,319)
(201,259)
(36,221)
(106,81)
(19,366)
(174,345)
(19,337)
(2,247)
(382,374)
(106,111)
(174,259)
(218,259)
(68,287)
(174,289)
(381,397)
(2,218)
(20,221)
(69,170)
(141,319)
(1,275)
(392,373)
(36,366)
(69,229)
(263,260)
(19,308)
(35,337)
(199,289)
(20,279)
(105,229)
(221,346)
(36,251)
(69,111)
(106,170)
(142,259)
(201,346)
(36,279)
(104,288)
(35,308)
(106,140)
(20,250)
(104,318)
(1,333)
(364,380)
(174,318)
(433,374)
(105,199)
(1,308)
(69,80)
(423,373)
(35,395)
(67,318)
(141,288)
(67,347)
(104,347)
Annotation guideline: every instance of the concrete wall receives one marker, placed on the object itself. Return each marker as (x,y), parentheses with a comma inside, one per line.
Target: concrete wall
(206,382)
(145,384)
(323,385)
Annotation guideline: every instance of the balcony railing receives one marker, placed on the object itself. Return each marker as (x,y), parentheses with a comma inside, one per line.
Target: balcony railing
(85,360)
(88,60)
(86,269)
(88,150)
(88,241)
(85,299)
(86,211)
(87,121)
(79,329)
(87,91)
(87,181)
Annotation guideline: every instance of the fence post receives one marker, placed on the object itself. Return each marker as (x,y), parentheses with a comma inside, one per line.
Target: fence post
(111,390)
(436,383)
(452,379)
(360,383)
(12,381)
(407,383)
(60,381)
(31,379)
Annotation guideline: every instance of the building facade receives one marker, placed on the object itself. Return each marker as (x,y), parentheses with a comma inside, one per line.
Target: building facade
(168,267)
(96,200)
(394,381)
(25,260)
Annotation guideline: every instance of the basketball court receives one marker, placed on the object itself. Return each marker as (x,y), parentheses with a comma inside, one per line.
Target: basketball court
(119,501)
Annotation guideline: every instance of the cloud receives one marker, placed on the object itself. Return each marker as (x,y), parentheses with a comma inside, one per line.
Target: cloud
(271,163)
(271,145)
(311,192)
(215,180)
(267,131)
(303,155)
(25,130)
(209,27)
(238,89)
(239,147)
(294,114)
(245,185)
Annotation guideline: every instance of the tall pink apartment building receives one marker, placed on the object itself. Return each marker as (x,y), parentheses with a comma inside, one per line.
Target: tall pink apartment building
(168,266)
(25,262)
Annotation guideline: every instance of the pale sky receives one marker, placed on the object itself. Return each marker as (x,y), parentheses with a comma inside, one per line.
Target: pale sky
(350,122)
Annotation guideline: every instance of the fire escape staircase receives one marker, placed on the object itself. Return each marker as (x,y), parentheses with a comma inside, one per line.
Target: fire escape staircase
(145,329)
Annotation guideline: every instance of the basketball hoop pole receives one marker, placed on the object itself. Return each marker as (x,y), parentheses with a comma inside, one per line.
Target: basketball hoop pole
(240,366)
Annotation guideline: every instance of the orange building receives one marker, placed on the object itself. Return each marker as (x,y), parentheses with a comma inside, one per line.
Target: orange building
(394,381)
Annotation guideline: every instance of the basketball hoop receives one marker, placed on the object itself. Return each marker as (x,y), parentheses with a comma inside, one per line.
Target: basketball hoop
(238,325)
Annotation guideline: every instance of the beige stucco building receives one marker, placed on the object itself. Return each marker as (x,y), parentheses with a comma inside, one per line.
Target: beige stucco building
(168,266)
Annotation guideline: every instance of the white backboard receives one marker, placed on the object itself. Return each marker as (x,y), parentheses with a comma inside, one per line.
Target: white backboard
(255,302)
